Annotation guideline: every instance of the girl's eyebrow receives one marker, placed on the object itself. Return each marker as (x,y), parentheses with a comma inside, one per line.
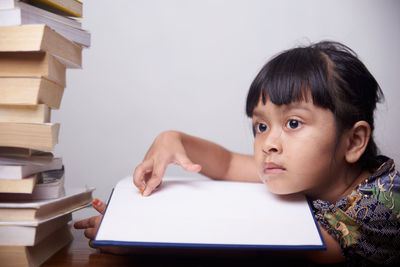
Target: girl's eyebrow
(293,105)
(297,105)
(257,114)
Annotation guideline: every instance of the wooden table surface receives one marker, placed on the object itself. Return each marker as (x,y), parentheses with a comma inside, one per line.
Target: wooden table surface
(78,253)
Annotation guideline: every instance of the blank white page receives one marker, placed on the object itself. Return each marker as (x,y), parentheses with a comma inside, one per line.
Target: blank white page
(206,213)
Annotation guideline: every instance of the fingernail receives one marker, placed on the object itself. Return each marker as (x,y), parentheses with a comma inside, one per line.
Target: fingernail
(96,201)
(141,190)
(146,192)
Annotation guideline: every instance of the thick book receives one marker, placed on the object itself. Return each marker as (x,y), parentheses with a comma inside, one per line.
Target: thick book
(71,8)
(35,255)
(23,186)
(27,235)
(25,153)
(199,213)
(20,13)
(13,4)
(17,168)
(30,91)
(39,37)
(43,136)
(33,211)
(25,113)
(50,186)
(32,64)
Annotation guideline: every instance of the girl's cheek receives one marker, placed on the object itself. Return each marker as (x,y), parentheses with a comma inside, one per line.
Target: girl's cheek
(257,146)
(258,157)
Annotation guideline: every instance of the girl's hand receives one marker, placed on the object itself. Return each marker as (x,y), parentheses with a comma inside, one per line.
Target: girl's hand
(91,225)
(167,148)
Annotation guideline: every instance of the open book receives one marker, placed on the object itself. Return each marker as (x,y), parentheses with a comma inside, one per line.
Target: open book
(201,213)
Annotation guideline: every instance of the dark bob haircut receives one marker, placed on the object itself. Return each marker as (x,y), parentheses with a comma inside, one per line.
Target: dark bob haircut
(336,79)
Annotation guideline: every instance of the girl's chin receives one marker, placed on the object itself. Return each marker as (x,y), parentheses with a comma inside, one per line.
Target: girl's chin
(274,184)
(273,189)
(277,189)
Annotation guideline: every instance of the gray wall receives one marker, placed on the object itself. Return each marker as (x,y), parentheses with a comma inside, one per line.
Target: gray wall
(179,64)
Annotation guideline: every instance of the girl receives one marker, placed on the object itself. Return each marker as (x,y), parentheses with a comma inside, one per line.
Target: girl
(312,111)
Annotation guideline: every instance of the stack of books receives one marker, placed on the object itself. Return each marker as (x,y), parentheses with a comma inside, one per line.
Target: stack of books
(39,40)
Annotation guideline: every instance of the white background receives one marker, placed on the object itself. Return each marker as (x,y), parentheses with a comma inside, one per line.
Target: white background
(156,65)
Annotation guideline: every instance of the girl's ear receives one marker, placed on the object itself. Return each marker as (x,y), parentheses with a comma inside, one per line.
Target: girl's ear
(358,137)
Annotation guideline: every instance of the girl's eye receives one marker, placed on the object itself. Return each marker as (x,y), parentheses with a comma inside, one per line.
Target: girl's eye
(293,124)
(260,127)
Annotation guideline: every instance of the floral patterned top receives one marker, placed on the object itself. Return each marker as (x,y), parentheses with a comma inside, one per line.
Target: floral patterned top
(367,222)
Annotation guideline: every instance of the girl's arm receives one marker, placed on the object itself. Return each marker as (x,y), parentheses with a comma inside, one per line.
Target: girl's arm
(192,154)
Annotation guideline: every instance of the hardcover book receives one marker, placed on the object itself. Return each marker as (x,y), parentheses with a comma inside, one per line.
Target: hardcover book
(50,186)
(17,168)
(28,235)
(35,255)
(33,211)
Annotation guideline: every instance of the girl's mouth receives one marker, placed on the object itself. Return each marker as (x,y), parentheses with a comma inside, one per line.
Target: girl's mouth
(272,168)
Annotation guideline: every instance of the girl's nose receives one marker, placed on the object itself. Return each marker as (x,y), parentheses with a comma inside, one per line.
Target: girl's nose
(272,144)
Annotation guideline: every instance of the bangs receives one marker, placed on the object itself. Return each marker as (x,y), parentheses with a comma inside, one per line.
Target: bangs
(289,77)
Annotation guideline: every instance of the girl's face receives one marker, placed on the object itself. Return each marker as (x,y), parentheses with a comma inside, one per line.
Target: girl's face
(295,148)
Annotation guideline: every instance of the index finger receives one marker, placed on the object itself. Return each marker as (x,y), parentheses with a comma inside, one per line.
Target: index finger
(156,176)
(82,224)
(140,171)
(86,223)
(99,205)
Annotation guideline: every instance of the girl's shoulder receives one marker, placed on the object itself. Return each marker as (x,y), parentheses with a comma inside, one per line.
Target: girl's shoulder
(367,222)
(383,185)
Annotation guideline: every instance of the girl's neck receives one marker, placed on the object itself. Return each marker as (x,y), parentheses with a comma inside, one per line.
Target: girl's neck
(342,185)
